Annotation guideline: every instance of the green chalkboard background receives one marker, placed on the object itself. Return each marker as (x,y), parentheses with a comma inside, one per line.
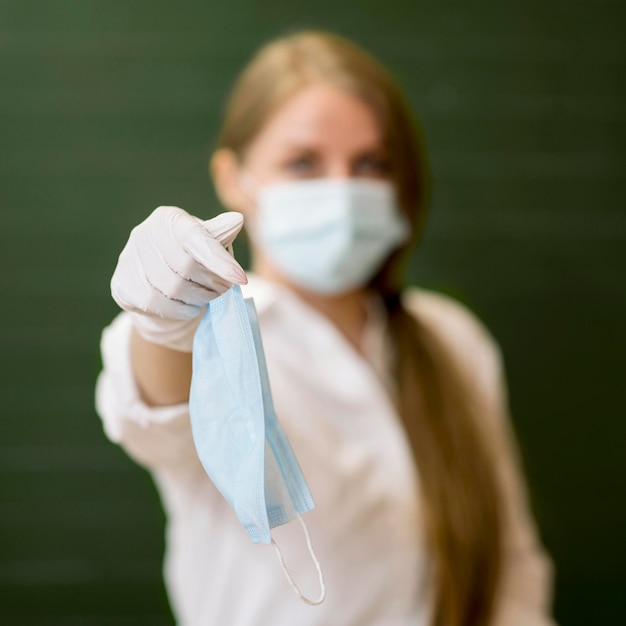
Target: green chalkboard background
(109,109)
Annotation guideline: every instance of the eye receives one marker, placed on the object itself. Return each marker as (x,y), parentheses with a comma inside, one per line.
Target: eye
(371,165)
(303,165)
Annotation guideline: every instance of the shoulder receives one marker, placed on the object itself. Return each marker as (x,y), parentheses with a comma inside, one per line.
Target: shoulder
(459,329)
(446,314)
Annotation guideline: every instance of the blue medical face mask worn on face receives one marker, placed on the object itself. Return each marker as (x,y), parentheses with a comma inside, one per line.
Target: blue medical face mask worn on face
(329,235)
(239,440)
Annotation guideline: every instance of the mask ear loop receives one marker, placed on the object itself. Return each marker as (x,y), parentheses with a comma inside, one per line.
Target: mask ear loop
(290,579)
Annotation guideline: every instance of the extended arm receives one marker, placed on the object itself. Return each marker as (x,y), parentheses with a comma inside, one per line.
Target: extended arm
(172,265)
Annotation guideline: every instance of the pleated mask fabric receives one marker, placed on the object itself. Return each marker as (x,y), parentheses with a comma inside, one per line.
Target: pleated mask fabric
(239,440)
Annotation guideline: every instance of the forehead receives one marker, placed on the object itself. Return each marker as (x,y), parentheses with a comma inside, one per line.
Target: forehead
(323,116)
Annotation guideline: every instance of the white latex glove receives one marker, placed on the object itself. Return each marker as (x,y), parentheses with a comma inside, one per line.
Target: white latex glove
(172,266)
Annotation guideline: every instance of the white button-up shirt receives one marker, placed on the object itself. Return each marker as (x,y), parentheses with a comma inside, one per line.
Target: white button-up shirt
(367,529)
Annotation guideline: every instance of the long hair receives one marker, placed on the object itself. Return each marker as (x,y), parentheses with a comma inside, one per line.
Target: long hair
(457,475)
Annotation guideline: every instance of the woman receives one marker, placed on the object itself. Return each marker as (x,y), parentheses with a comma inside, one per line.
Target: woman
(393,399)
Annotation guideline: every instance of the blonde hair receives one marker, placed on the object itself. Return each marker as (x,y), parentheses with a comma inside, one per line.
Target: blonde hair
(457,475)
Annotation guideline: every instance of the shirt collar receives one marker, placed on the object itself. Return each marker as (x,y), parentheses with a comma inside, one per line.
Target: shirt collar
(375,339)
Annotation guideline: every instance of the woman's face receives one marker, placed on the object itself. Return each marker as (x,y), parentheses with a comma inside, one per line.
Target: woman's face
(320,132)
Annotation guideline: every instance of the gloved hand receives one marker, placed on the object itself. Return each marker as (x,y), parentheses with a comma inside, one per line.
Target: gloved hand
(173,265)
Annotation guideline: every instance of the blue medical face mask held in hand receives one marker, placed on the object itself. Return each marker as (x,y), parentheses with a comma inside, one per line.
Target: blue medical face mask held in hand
(239,440)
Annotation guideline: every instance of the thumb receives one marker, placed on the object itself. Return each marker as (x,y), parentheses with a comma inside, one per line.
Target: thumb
(225,227)
(206,242)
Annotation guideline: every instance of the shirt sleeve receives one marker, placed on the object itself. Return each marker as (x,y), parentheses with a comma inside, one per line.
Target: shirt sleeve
(155,437)
(526,586)
(526,594)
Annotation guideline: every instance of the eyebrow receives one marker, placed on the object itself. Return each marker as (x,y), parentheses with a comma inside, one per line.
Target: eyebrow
(300,147)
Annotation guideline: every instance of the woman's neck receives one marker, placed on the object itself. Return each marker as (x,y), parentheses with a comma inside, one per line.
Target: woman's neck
(347,311)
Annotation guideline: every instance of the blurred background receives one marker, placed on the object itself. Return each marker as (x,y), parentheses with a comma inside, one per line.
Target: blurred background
(110,108)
